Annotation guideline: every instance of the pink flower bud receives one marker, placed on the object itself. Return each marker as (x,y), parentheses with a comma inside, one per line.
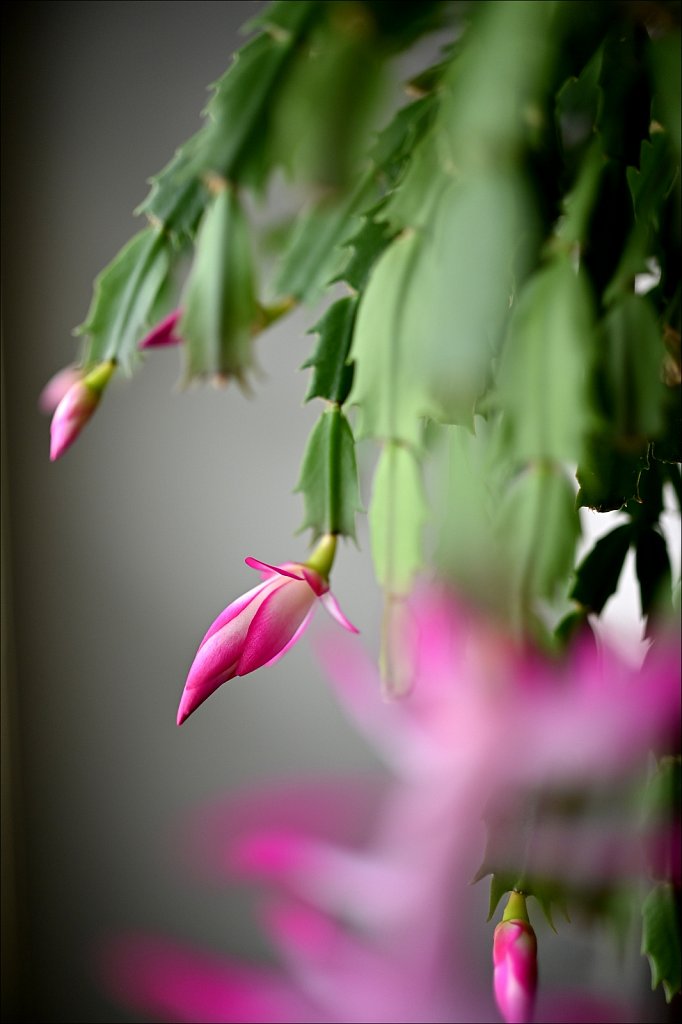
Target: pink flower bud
(259,628)
(164,333)
(76,408)
(516,967)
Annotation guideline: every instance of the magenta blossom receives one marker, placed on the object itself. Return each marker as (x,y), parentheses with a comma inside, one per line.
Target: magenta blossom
(164,333)
(77,406)
(259,628)
(515,958)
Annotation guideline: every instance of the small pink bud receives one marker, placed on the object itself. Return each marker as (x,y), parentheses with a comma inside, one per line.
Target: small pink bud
(76,408)
(515,960)
(164,333)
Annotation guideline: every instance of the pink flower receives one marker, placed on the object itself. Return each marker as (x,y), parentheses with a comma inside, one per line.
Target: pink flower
(164,333)
(259,628)
(515,951)
(77,406)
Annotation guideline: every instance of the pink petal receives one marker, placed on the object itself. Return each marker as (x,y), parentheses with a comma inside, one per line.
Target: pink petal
(255,563)
(218,655)
(233,610)
(295,638)
(171,983)
(317,584)
(164,333)
(274,624)
(332,606)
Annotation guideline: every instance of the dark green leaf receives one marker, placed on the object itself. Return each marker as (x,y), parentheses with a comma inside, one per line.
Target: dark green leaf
(329,477)
(598,574)
(221,314)
(653,573)
(332,373)
(661,939)
(664,60)
(632,353)
(124,297)
(609,477)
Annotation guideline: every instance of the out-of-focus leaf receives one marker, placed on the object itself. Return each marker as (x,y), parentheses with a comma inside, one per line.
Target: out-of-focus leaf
(542,382)
(632,360)
(664,61)
(609,477)
(653,574)
(431,317)
(366,245)
(238,112)
(598,574)
(577,108)
(579,203)
(234,137)
(473,252)
(314,256)
(492,95)
(324,108)
(625,108)
(661,939)
(388,383)
(539,521)
(397,515)
(329,477)
(221,314)
(649,185)
(332,373)
(125,293)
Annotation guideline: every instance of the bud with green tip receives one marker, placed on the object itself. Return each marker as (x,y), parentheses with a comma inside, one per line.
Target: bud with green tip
(515,959)
(77,406)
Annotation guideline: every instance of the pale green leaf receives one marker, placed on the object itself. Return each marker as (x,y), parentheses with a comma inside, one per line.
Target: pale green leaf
(397,515)
(125,294)
(542,384)
(221,314)
(540,527)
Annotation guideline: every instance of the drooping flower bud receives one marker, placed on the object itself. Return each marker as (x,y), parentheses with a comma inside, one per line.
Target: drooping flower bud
(164,333)
(77,406)
(515,961)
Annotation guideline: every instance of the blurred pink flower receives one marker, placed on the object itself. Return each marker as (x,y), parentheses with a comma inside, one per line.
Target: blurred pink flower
(369,903)
(163,334)
(77,406)
(258,628)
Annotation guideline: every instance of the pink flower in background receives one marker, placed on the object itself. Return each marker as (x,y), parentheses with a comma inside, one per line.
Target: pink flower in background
(368,896)
(77,406)
(164,333)
(258,628)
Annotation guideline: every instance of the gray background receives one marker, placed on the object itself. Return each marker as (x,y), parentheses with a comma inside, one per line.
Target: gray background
(124,551)
(120,555)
